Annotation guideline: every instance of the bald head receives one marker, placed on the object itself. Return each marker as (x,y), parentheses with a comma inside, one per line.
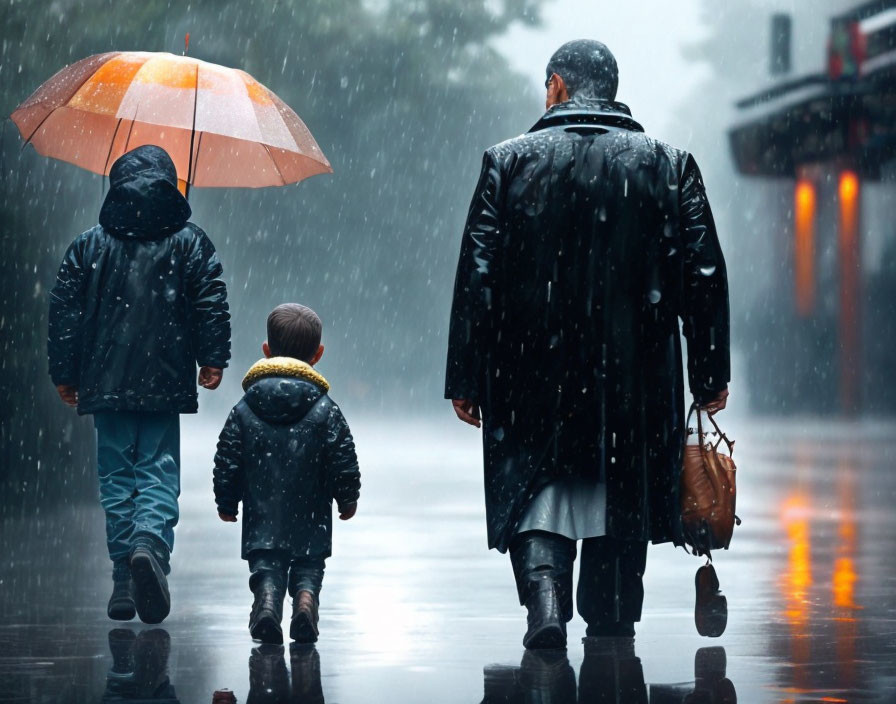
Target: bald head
(588,69)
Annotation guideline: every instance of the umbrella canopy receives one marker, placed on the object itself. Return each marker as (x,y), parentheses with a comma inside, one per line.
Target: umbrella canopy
(220,126)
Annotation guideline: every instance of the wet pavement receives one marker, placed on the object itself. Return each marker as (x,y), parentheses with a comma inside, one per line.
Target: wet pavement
(415,608)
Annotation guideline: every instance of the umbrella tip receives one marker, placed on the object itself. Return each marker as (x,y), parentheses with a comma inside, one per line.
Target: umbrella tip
(186,43)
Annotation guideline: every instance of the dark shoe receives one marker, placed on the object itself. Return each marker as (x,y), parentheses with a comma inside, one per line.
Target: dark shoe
(711,608)
(121,603)
(152,599)
(303,628)
(546,627)
(267,609)
(620,629)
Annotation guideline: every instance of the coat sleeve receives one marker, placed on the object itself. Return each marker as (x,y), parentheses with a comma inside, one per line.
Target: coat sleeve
(228,472)
(473,287)
(208,298)
(704,311)
(65,317)
(341,460)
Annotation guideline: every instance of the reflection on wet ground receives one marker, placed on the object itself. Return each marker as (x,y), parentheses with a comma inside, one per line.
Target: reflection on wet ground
(610,672)
(415,608)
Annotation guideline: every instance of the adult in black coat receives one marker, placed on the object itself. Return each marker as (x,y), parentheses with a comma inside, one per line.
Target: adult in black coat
(586,242)
(138,303)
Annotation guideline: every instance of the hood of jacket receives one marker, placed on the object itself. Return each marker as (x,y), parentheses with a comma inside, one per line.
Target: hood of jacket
(589,111)
(143,201)
(281,390)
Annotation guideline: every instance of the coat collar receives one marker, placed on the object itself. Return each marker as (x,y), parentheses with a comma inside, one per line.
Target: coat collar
(284,366)
(590,112)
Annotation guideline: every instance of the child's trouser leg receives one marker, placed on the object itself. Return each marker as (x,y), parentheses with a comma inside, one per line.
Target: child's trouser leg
(268,584)
(267,563)
(306,574)
(116,441)
(157,478)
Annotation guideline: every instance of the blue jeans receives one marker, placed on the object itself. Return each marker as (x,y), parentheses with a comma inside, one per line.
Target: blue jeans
(138,460)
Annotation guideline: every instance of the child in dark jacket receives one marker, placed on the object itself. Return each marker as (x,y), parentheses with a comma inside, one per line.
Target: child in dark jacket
(138,303)
(286,452)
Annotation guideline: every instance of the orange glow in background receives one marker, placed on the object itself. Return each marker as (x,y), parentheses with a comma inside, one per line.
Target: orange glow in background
(850,284)
(804,246)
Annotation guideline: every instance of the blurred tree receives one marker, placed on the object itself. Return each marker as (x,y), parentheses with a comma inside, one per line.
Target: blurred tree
(402,95)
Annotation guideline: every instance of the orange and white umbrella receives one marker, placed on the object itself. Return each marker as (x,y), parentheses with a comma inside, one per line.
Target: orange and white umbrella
(220,126)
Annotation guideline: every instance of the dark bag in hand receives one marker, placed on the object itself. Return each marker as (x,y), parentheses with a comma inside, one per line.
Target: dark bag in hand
(708,490)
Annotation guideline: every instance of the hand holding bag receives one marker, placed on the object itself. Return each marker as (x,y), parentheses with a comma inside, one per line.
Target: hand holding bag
(708,491)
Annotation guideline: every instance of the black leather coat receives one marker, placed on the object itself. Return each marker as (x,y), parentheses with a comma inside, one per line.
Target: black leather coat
(286,452)
(586,243)
(139,300)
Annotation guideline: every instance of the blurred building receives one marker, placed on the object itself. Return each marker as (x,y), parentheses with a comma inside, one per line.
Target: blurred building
(830,140)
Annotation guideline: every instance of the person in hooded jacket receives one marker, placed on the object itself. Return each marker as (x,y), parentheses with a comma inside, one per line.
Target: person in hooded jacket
(586,243)
(286,452)
(138,303)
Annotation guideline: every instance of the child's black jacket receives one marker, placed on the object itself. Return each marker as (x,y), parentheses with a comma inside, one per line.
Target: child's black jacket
(139,299)
(286,452)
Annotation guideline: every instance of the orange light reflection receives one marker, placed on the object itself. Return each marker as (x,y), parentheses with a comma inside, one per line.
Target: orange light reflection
(797,579)
(850,285)
(804,246)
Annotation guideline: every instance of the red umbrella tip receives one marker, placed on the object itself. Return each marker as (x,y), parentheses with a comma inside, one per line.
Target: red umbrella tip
(186,43)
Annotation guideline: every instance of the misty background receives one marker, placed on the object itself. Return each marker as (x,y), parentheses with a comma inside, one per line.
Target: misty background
(403,96)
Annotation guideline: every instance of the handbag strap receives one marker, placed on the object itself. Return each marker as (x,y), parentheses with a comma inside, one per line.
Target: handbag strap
(722,436)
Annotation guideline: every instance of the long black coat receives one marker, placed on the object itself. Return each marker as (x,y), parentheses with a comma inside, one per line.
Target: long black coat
(139,299)
(585,243)
(286,452)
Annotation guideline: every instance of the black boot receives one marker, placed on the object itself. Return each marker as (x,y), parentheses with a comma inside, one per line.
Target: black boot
(547,628)
(121,603)
(152,598)
(542,564)
(267,609)
(303,627)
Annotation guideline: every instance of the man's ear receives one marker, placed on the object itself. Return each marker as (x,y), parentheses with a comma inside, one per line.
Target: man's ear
(557,92)
(317,355)
(266,349)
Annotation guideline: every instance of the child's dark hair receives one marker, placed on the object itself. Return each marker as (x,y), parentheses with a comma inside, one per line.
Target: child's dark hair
(294,331)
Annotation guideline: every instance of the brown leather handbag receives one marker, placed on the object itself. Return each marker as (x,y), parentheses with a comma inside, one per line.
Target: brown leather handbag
(708,490)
